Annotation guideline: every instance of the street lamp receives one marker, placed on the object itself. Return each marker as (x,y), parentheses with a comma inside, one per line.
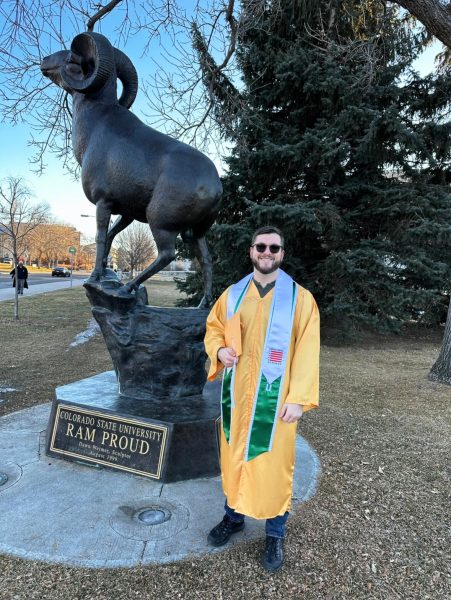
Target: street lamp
(93,217)
(109,259)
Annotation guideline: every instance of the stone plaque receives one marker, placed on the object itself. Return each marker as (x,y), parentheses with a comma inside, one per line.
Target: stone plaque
(119,442)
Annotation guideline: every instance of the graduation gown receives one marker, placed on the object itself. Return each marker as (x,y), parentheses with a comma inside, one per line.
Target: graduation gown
(262,487)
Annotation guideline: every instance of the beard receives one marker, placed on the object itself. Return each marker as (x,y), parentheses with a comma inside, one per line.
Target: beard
(266,270)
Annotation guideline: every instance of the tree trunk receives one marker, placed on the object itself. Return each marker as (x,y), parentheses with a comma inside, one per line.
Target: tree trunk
(441,370)
(434,15)
(16,303)
(16,290)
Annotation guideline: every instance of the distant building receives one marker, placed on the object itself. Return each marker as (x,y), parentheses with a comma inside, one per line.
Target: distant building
(49,244)
(4,252)
(88,257)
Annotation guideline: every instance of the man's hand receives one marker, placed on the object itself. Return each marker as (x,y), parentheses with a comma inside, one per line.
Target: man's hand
(291,413)
(227,356)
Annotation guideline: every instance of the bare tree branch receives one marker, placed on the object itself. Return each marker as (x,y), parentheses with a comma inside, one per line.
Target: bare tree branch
(434,14)
(101,13)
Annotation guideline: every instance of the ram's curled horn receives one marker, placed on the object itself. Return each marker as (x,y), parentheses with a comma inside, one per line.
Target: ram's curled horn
(128,76)
(74,58)
(97,60)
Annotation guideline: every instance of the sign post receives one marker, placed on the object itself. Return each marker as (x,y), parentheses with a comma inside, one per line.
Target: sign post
(72,251)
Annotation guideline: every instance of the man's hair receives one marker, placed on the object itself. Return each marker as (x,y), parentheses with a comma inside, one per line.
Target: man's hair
(267,229)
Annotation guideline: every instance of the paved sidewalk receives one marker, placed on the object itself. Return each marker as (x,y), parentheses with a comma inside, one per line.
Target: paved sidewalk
(41,288)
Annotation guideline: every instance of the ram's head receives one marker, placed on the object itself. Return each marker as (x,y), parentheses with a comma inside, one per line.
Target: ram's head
(89,64)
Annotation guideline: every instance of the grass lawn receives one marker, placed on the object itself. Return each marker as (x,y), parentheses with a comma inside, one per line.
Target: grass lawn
(376,529)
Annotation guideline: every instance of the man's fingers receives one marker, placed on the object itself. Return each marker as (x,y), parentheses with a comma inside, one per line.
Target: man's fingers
(228,357)
(290,413)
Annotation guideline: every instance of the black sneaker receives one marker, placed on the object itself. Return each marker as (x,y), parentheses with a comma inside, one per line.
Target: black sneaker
(221,534)
(272,558)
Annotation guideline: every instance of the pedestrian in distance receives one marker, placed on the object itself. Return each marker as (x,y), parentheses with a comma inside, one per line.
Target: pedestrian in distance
(263,332)
(22,276)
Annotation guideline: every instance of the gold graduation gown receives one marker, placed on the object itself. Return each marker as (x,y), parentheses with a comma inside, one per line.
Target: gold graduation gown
(262,487)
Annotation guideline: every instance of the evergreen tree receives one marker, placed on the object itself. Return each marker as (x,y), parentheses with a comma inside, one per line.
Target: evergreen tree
(340,143)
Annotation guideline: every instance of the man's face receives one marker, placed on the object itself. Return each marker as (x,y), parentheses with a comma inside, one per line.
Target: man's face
(266,261)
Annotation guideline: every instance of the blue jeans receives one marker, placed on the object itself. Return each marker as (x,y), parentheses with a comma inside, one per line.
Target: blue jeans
(275,527)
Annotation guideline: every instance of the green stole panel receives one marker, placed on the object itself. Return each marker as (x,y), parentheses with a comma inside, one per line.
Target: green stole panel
(265,415)
(226,403)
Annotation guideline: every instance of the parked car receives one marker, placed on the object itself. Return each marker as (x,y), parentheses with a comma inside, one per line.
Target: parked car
(7,260)
(60,272)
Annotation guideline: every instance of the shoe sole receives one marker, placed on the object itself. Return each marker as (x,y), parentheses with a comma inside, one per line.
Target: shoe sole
(214,543)
(271,569)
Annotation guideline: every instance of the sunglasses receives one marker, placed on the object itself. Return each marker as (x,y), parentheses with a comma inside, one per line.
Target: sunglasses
(273,248)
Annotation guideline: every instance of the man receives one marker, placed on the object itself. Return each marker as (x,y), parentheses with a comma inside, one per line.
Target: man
(22,276)
(264,331)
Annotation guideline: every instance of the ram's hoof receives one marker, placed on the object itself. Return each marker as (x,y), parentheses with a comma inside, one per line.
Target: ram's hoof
(93,280)
(124,292)
(95,276)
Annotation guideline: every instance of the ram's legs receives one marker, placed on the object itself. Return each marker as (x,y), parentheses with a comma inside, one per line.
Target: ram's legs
(103,216)
(119,225)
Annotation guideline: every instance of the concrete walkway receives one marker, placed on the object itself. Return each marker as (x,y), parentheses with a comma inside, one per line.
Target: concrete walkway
(41,288)
(68,513)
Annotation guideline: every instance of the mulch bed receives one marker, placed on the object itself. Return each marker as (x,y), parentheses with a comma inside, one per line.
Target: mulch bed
(377,527)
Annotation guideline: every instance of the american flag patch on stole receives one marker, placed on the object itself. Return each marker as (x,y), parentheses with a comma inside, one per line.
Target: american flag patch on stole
(275,356)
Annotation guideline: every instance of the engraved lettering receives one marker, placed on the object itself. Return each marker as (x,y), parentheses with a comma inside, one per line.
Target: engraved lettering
(90,434)
(123,442)
(76,418)
(144,449)
(109,425)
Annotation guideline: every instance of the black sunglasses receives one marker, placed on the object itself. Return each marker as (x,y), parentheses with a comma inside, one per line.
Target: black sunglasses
(273,248)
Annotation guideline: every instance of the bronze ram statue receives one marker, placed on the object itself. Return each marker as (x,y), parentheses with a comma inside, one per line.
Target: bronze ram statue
(129,169)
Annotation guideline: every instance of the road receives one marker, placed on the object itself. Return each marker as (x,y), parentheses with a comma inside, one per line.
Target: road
(41,278)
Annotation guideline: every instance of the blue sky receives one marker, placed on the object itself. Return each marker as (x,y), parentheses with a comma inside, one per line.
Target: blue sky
(64,195)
